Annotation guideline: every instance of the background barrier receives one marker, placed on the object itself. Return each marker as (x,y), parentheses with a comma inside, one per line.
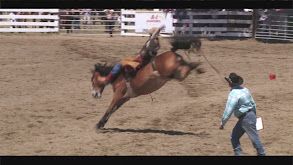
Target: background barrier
(195,23)
(214,23)
(29,20)
(275,26)
(89,21)
(186,23)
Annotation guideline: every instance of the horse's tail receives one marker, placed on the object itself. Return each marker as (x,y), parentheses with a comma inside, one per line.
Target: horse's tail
(185,43)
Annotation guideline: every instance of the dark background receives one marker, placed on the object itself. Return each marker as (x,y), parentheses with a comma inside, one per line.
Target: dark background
(225,4)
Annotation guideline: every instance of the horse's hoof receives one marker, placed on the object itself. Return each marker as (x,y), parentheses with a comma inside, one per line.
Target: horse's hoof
(200,71)
(99,126)
(100,130)
(194,65)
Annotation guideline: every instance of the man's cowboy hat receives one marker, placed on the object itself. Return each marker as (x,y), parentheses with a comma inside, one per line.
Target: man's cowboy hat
(234,79)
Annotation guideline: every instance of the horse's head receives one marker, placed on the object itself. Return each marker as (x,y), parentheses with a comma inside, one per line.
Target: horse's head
(99,75)
(97,84)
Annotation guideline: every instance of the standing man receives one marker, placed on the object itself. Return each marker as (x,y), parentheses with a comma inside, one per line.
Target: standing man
(241,103)
(111,21)
(76,18)
(13,19)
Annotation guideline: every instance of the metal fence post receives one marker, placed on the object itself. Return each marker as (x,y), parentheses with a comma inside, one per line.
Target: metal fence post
(255,20)
(122,23)
(190,24)
(58,21)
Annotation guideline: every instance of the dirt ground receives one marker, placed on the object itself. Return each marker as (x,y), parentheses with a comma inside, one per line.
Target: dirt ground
(47,107)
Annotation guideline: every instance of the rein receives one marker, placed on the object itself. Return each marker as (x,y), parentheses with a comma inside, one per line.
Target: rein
(187,55)
(218,72)
(201,52)
(153,63)
(153,60)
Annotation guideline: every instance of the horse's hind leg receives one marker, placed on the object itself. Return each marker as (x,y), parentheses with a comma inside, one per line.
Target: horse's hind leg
(193,65)
(184,69)
(115,104)
(182,72)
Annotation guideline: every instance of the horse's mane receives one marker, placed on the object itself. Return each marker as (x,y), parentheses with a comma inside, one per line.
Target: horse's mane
(103,69)
(185,43)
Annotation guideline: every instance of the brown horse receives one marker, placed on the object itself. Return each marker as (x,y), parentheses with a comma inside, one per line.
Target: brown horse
(148,79)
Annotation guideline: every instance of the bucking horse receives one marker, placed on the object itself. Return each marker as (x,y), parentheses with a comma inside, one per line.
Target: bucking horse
(151,77)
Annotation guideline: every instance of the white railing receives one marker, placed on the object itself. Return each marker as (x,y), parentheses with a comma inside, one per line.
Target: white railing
(128,23)
(29,20)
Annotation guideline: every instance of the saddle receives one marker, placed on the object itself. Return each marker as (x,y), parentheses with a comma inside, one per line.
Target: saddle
(130,65)
(131,62)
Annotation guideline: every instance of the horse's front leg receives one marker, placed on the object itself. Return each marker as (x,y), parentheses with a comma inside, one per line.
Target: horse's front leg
(115,104)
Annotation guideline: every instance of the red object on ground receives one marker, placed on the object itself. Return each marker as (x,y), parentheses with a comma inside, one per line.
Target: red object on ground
(272,76)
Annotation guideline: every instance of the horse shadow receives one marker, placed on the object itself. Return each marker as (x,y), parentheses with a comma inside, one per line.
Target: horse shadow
(167,132)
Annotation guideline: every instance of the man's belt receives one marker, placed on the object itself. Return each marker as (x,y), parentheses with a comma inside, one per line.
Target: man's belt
(244,114)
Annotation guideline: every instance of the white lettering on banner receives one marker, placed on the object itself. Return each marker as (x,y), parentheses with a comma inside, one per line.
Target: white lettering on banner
(146,21)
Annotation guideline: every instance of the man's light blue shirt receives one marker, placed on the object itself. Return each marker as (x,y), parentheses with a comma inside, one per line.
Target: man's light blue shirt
(239,102)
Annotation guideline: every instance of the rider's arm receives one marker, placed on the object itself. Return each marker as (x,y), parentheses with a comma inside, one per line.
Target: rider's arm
(156,33)
(151,42)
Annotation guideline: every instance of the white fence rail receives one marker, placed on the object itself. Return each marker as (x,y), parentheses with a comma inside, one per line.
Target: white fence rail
(128,23)
(29,20)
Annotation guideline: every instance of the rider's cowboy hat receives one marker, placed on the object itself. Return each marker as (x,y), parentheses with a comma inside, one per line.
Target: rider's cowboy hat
(234,79)
(153,30)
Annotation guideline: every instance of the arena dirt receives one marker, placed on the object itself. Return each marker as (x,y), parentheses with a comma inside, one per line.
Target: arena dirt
(47,107)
